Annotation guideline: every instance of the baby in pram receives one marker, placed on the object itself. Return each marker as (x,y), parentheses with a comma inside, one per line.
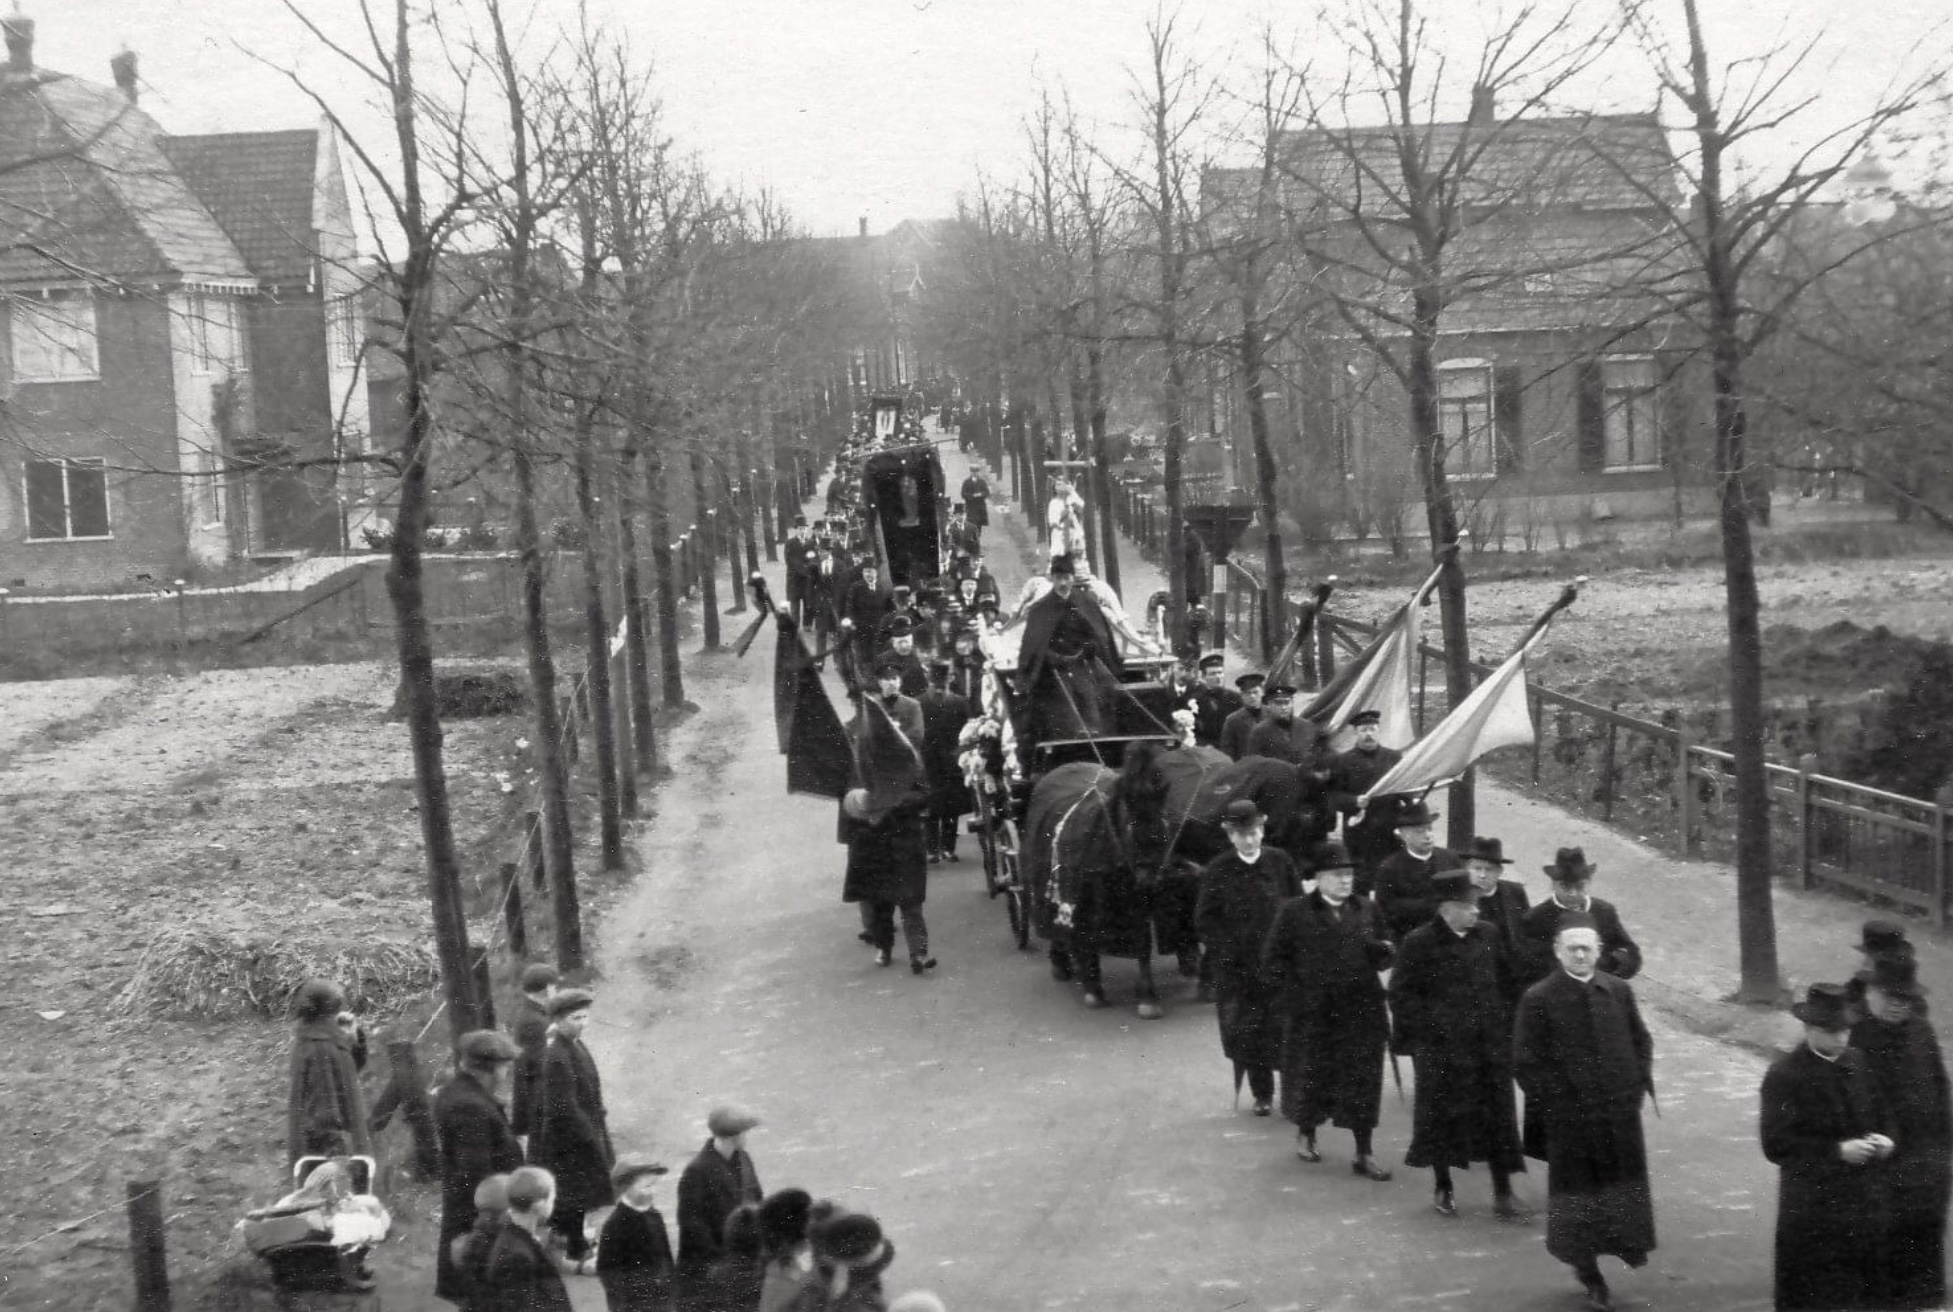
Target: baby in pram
(319,1234)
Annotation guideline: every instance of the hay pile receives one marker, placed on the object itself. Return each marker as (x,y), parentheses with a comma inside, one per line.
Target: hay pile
(472,693)
(207,975)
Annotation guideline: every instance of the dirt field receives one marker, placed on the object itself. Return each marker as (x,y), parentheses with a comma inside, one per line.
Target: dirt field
(1657,637)
(252,805)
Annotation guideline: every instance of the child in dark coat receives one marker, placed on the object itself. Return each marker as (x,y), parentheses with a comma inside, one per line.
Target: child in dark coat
(469,1251)
(634,1260)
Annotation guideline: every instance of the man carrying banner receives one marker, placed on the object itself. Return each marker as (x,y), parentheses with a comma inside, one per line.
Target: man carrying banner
(883,821)
(1282,735)
(1370,835)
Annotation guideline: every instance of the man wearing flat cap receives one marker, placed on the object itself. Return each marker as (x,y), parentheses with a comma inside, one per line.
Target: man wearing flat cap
(717,1180)
(531,1030)
(1572,875)
(1281,734)
(1241,721)
(1369,833)
(1403,888)
(1240,891)
(571,1137)
(477,1141)
(1212,700)
(1586,1062)
(1824,1127)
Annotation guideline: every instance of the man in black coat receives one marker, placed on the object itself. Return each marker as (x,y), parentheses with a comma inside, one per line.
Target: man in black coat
(1572,874)
(1370,834)
(898,635)
(1403,888)
(476,1142)
(1502,905)
(1823,1127)
(1322,958)
(1283,735)
(1063,655)
(1451,996)
(863,608)
(531,1030)
(1212,702)
(518,1274)
(976,501)
(1241,722)
(1240,891)
(884,822)
(1902,1055)
(571,1137)
(943,716)
(717,1180)
(803,560)
(1585,1061)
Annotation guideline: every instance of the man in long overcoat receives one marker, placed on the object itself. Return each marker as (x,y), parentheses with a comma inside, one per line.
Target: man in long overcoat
(717,1180)
(883,822)
(326,1113)
(1572,875)
(1212,701)
(531,1031)
(1403,889)
(943,716)
(1502,904)
(1451,996)
(1585,1061)
(1240,723)
(1240,892)
(1322,957)
(1902,1055)
(1824,1128)
(976,501)
(1282,734)
(477,1141)
(571,1133)
(1369,833)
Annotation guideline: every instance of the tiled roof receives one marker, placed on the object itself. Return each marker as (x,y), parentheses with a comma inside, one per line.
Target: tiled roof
(259,187)
(94,196)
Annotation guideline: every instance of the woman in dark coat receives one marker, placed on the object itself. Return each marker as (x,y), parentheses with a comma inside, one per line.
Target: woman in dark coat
(1322,958)
(572,1136)
(1451,999)
(1822,1126)
(1240,892)
(1902,1055)
(326,1114)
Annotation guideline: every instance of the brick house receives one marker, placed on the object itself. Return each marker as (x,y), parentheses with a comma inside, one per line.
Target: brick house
(1565,394)
(180,343)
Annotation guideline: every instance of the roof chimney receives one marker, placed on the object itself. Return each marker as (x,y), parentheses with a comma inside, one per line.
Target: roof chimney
(864,225)
(123,65)
(1484,107)
(20,42)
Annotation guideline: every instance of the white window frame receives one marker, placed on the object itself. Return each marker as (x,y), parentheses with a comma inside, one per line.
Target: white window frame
(1619,403)
(209,312)
(342,332)
(84,350)
(67,464)
(1458,462)
(212,494)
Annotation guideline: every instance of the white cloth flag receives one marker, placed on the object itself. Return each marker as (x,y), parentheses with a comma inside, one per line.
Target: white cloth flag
(1384,684)
(1495,715)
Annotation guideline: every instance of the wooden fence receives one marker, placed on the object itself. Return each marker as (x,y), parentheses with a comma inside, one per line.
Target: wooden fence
(1660,778)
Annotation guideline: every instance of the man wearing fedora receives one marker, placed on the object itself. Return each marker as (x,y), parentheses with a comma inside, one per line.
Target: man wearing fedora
(718,1179)
(1241,721)
(1502,903)
(1322,958)
(1240,891)
(1368,833)
(1585,1060)
(1451,996)
(570,1136)
(1572,874)
(1824,1128)
(1281,734)
(1902,1056)
(1403,879)
(477,1141)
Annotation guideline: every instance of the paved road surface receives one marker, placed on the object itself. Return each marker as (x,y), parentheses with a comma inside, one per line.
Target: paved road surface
(1026,1154)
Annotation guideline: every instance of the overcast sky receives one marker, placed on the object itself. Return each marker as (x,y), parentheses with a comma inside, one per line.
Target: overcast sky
(886,108)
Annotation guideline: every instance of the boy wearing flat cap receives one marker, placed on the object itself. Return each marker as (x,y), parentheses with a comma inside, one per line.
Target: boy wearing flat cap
(476,1142)
(572,1135)
(634,1259)
(718,1179)
(1240,891)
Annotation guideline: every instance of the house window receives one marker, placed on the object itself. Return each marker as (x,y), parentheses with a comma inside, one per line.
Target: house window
(1465,419)
(1632,413)
(210,493)
(53,337)
(342,331)
(67,499)
(215,339)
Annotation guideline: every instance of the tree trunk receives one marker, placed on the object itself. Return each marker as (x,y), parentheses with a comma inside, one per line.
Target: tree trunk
(603,722)
(665,576)
(644,744)
(747,499)
(1441,522)
(1101,459)
(1095,473)
(1254,372)
(708,555)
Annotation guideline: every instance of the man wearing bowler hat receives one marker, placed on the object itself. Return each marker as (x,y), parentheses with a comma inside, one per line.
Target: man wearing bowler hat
(1572,875)
(1240,891)
(1403,879)
(1352,774)
(1283,735)
(1901,1053)
(477,1141)
(1502,903)
(1241,721)
(1451,997)
(718,1179)
(1586,1062)
(1824,1128)
(899,633)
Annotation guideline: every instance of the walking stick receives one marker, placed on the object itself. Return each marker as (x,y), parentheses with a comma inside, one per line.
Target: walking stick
(1396,1072)
(1239,1071)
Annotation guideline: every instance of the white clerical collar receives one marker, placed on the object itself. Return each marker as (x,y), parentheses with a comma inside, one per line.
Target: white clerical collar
(1250,860)
(1586,903)
(1821,1057)
(1415,857)
(1580,979)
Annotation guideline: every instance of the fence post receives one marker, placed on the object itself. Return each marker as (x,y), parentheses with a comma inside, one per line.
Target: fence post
(146,1251)
(518,929)
(1684,787)
(1939,867)
(1537,706)
(532,847)
(1801,799)
(403,1066)
(1325,648)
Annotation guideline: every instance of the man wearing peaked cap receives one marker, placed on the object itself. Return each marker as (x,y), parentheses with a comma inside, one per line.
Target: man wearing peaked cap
(1212,700)
(1281,734)
(1240,891)
(1824,1126)
(718,1179)
(1403,879)
(476,1141)
(1352,774)
(1241,722)
(1451,999)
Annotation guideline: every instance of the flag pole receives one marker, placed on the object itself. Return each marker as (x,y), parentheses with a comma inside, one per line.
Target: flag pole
(1446,554)
(1305,625)
(1568,595)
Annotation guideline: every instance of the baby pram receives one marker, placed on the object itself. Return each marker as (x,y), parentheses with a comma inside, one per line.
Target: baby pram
(318,1236)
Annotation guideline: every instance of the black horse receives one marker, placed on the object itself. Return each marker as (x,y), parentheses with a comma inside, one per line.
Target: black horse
(1096,844)
(1294,800)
